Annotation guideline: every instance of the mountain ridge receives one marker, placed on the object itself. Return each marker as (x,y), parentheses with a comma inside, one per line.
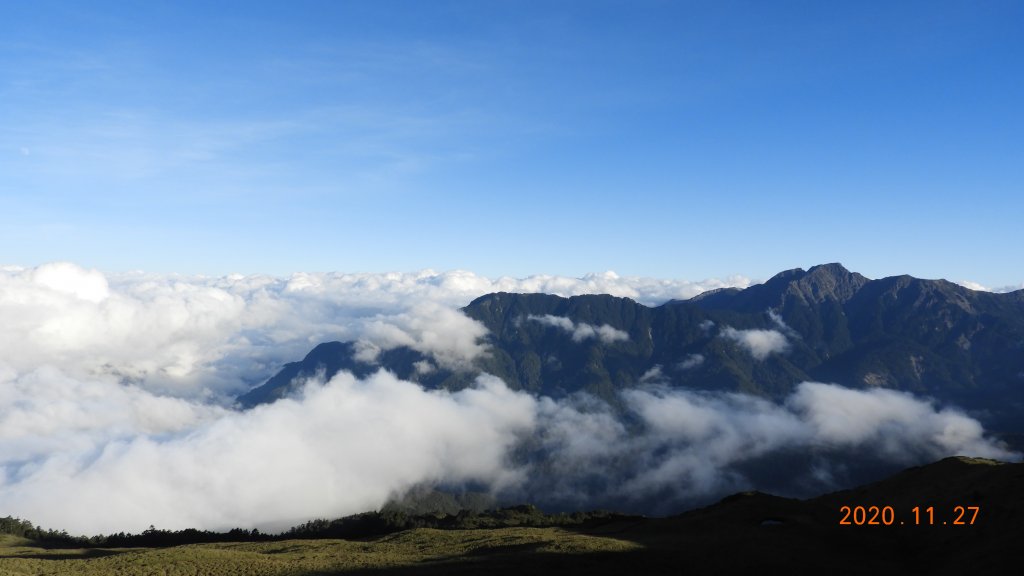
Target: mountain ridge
(930,337)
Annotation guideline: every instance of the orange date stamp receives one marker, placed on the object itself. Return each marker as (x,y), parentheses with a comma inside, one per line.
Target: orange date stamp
(919,516)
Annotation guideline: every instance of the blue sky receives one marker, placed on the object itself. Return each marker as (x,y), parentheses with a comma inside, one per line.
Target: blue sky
(665,139)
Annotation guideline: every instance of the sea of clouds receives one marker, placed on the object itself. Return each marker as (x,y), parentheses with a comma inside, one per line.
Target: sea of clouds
(116,406)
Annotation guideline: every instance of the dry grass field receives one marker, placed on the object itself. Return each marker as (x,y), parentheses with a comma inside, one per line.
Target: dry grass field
(419,551)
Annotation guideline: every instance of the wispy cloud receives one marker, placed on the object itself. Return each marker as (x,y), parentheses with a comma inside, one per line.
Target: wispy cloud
(758,343)
(581,331)
(691,361)
(447,335)
(982,288)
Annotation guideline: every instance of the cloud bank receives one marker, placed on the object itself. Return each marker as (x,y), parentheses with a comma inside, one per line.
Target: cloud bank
(675,448)
(340,448)
(107,457)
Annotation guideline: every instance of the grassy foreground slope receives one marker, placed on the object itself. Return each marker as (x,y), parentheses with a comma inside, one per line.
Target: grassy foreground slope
(742,534)
(422,550)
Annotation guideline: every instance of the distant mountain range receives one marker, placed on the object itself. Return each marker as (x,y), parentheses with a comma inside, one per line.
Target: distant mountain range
(826,324)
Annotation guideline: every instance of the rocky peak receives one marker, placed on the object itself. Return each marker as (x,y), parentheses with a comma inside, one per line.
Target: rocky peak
(829,281)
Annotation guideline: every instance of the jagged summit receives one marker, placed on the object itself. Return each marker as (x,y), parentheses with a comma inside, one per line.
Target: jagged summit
(834,268)
(817,285)
(830,281)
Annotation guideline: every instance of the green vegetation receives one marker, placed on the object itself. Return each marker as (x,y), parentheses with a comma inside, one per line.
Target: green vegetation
(393,520)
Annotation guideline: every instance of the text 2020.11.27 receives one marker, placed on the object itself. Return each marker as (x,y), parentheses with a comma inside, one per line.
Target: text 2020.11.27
(918,516)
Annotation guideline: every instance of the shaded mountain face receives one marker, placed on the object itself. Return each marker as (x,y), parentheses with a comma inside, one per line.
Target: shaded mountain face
(929,337)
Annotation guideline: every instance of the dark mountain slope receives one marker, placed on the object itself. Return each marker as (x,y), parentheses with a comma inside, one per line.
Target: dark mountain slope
(327,358)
